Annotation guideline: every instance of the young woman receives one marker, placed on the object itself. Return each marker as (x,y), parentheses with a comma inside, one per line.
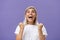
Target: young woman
(30,29)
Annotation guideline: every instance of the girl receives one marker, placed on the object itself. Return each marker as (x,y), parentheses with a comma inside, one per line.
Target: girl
(30,29)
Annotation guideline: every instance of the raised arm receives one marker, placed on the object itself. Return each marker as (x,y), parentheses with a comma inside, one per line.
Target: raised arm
(19,36)
(41,36)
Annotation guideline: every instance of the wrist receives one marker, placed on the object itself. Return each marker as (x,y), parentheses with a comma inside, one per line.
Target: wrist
(40,32)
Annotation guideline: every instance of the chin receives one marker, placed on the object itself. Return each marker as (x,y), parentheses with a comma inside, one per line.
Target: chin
(30,20)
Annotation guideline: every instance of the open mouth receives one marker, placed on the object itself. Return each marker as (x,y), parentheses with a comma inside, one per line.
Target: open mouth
(30,17)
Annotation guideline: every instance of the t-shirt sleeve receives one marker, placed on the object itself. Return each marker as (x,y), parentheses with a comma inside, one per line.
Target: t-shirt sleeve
(17,30)
(44,31)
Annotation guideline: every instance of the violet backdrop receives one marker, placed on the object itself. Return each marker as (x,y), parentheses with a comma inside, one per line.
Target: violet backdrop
(12,12)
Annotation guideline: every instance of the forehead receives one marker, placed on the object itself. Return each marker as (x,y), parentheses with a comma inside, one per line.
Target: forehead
(31,9)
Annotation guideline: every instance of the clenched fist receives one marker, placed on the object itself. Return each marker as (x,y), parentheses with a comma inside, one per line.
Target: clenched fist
(40,26)
(21,26)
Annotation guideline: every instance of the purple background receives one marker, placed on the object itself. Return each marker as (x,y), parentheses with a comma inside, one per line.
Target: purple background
(12,12)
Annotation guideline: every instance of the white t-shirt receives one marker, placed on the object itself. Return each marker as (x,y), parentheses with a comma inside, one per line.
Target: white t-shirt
(30,32)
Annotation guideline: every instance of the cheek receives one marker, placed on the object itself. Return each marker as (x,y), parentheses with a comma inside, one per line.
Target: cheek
(34,14)
(26,15)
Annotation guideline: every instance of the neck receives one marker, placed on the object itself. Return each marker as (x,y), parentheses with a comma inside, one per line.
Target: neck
(30,23)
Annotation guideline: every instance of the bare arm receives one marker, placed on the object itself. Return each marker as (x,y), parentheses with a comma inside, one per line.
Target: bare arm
(19,36)
(41,36)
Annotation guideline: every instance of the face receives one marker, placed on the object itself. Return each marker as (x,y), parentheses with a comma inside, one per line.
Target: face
(30,15)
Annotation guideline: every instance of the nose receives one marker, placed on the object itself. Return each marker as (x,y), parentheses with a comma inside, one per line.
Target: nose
(30,13)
